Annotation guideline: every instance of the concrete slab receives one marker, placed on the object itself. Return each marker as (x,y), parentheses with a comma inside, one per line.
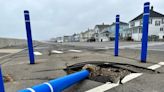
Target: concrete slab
(144,83)
(10,50)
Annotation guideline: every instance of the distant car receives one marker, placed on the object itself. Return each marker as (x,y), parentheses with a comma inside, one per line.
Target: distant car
(129,39)
(91,40)
(112,38)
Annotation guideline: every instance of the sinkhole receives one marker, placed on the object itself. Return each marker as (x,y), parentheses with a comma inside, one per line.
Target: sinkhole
(107,71)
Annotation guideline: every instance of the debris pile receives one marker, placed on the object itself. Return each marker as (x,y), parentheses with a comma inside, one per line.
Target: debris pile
(110,74)
(8,78)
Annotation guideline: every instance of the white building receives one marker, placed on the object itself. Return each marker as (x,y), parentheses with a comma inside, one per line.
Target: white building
(122,32)
(75,37)
(100,32)
(59,39)
(67,38)
(156,26)
(104,36)
(87,35)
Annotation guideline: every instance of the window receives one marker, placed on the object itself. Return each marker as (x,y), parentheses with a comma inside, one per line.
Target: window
(141,22)
(135,31)
(140,30)
(121,27)
(150,21)
(96,35)
(163,21)
(132,24)
(161,29)
(107,35)
(157,23)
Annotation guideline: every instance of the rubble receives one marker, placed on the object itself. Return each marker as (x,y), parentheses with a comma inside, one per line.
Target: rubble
(8,78)
(104,75)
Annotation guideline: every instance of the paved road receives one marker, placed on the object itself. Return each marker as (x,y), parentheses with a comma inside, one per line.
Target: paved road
(50,65)
(99,44)
(157,46)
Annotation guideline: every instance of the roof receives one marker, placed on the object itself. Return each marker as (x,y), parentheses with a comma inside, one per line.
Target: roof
(67,36)
(102,26)
(153,14)
(89,30)
(75,34)
(136,27)
(105,32)
(121,23)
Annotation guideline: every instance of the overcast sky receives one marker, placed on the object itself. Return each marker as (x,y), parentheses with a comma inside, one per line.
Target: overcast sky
(52,18)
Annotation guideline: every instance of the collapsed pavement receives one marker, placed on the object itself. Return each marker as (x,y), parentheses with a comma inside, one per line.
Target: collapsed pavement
(108,72)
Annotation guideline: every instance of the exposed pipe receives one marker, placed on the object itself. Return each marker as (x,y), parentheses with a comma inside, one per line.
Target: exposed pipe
(59,84)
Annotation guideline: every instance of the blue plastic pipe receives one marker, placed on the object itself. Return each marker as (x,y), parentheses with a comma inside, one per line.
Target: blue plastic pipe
(29,37)
(116,51)
(59,84)
(145,32)
(2,88)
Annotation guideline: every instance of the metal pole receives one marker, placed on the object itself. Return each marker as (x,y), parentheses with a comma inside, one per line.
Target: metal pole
(29,37)
(145,32)
(2,88)
(59,84)
(116,51)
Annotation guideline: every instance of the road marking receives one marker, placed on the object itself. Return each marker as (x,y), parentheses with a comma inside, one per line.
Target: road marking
(104,87)
(56,51)
(127,78)
(153,67)
(130,77)
(75,50)
(161,63)
(109,85)
(37,53)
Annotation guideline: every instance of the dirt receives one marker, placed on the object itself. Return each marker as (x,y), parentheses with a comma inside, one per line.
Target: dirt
(104,75)
(8,78)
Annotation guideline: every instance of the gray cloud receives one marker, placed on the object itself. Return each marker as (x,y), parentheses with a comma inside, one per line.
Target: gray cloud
(51,18)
